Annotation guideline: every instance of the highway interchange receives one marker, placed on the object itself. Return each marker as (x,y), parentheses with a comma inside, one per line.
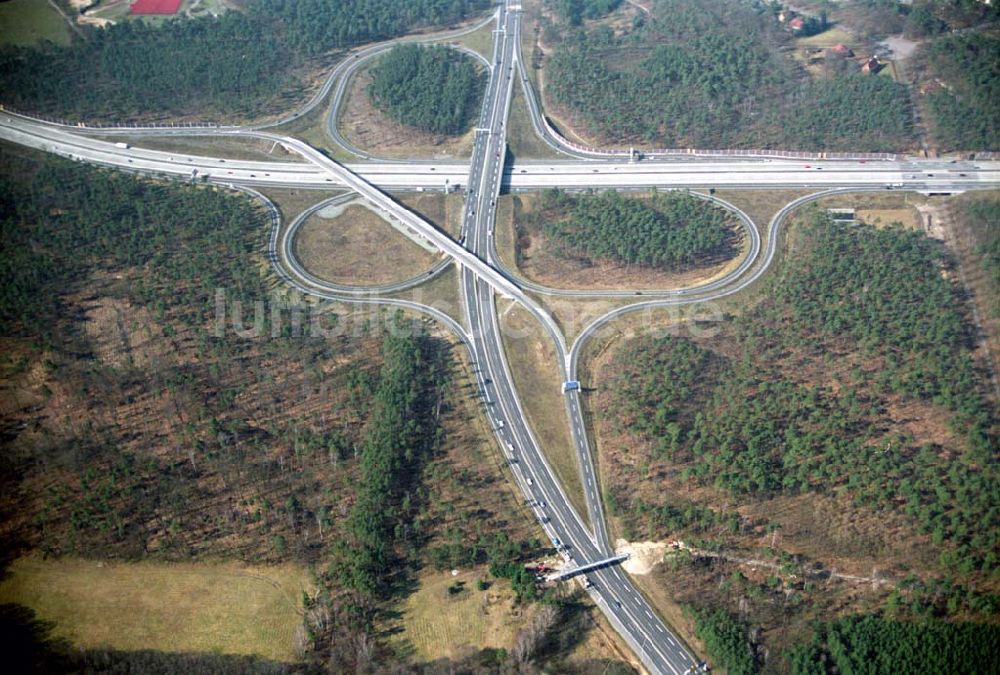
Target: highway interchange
(483,278)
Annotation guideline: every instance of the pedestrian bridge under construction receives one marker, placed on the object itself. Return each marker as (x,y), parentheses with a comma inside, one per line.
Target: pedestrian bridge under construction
(583,569)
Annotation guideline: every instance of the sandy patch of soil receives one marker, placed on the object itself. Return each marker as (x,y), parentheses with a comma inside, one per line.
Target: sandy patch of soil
(643,555)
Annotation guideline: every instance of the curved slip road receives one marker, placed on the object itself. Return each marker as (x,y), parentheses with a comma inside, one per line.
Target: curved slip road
(631,615)
(287,248)
(333,118)
(748,226)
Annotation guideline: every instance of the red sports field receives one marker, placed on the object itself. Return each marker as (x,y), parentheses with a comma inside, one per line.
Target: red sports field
(155,6)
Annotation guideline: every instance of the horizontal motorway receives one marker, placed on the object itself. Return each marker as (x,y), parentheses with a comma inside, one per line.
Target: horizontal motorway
(482,180)
(925,175)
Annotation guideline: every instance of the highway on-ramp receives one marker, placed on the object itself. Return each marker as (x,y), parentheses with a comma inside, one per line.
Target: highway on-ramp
(483,278)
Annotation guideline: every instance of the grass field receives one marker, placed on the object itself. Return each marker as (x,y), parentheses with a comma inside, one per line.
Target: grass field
(311,128)
(480,41)
(829,38)
(444,211)
(880,208)
(437,623)
(230,147)
(352,247)
(293,201)
(908,218)
(25,22)
(225,608)
(441,293)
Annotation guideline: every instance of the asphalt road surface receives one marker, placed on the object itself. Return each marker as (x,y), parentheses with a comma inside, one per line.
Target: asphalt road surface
(634,618)
(921,175)
(482,278)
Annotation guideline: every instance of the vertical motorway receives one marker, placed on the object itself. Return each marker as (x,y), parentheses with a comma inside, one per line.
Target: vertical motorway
(628,611)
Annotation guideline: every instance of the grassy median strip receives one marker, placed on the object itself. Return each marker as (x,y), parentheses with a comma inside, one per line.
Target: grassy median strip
(228,147)
(522,140)
(479,41)
(443,210)
(534,366)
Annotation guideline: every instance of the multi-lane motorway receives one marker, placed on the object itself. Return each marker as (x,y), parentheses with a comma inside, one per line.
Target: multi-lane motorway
(924,175)
(483,278)
(661,651)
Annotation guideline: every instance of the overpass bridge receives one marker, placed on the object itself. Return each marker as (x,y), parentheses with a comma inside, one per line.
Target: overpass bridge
(583,569)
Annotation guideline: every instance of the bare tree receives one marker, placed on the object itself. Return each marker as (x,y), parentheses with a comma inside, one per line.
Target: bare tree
(301,641)
(532,636)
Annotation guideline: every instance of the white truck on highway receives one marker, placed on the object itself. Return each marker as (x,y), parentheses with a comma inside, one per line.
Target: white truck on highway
(123,146)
